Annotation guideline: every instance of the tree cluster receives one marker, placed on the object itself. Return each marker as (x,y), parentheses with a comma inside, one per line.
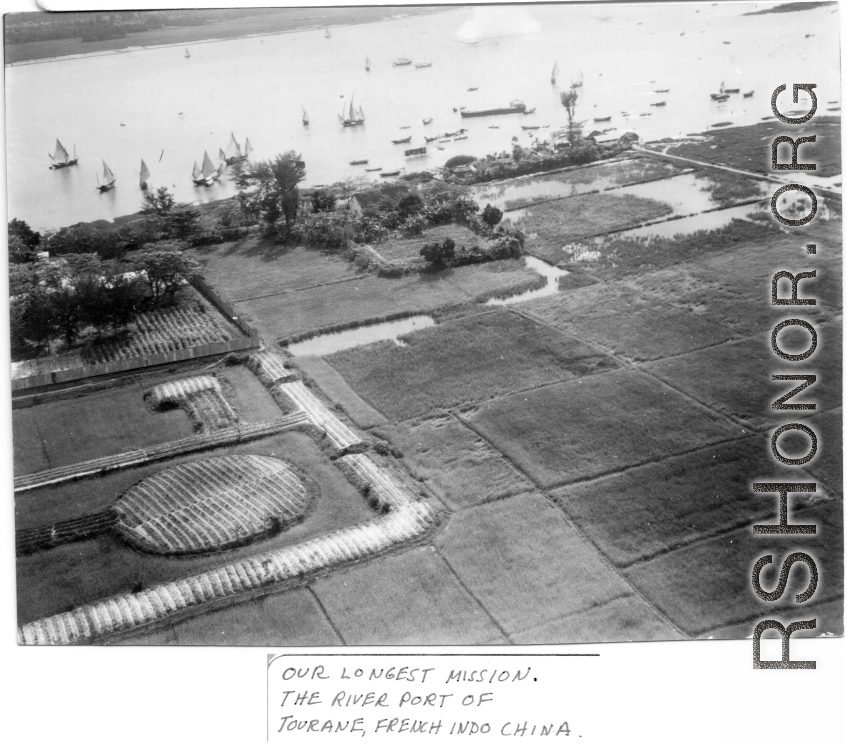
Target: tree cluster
(269,189)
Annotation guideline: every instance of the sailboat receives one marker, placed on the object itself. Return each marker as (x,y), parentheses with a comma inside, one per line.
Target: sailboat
(60,157)
(367,64)
(327,35)
(305,118)
(187,54)
(233,152)
(206,175)
(555,73)
(353,117)
(145,174)
(578,83)
(108,179)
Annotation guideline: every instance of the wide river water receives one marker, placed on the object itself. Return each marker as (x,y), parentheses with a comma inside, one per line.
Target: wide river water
(158,105)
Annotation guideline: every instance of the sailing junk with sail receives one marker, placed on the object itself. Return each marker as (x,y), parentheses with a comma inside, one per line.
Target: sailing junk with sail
(233,152)
(305,118)
(145,174)
(555,73)
(367,64)
(352,117)
(108,179)
(206,175)
(60,157)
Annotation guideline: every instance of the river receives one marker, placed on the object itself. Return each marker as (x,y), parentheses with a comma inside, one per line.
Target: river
(158,105)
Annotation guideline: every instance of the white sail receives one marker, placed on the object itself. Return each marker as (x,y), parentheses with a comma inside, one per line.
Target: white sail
(221,154)
(360,114)
(61,154)
(145,172)
(367,63)
(187,54)
(208,166)
(555,72)
(248,148)
(195,174)
(108,176)
(233,150)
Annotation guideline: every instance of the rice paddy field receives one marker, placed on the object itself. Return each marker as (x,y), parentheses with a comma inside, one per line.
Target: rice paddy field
(592,450)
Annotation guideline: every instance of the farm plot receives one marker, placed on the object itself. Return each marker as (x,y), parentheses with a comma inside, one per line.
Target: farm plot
(407,250)
(468,359)
(655,508)
(553,225)
(744,395)
(97,424)
(722,595)
(627,322)
(454,461)
(255,268)
(595,425)
(408,598)
(212,504)
(525,563)
(523,192)
(200,397)
(54,580)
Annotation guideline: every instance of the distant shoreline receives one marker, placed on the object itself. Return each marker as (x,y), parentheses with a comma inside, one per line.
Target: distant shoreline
(60,50)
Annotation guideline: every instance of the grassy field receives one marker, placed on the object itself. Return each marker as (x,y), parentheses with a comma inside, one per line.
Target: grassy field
(525,563)
(727,189)
(648,510)
(721,594)
(409,598)
(551,226)
(455,462)
(255,267)
(596,425)
(53,580)
(746,394)
(748,148)
(470,359)
(407,250)
(626,322)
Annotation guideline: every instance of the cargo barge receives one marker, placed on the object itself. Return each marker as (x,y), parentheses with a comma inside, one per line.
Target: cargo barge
(515,107)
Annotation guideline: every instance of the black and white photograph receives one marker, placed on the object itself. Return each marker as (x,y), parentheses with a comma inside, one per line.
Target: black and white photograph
(426,325)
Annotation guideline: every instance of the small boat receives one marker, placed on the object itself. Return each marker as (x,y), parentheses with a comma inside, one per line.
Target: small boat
(660,103)
(727,42)
(647,113)
(470,90)
(387,174)
(431,139)
(367,64)
(415,151)
(406,127)
(428,120)
(456,139)
(373,170)
(578,83)
(403,141)
(662,90)
(145,174)
(327,35)
(420,65)
(60,157)
(530,126)
(749,94)
(305,118)
(358,162)
(108,179)
(729,90)
(624,113)
(493,126)
(401,62)
(233,152)
(555,73)
(602,118)
(530,111)
(187,54)
(608,129)
(515,107)
(719,96)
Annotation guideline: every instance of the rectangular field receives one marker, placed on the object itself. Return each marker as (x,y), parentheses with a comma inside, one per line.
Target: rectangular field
(407,250)
(464,360)
(596,425)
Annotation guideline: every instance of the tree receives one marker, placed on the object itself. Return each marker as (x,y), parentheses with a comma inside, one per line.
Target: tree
(27,235)
(440,255)
(323,201)
(277,194)
(491,216)
(181,223)
(409,205)
(165,270)
(569,99)
(160,203)
(83,238)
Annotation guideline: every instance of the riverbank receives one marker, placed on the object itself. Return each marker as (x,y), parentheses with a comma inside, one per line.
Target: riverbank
(284,20)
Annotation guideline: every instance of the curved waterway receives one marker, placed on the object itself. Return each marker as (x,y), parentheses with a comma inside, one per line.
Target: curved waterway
(550,273)
(391,330)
